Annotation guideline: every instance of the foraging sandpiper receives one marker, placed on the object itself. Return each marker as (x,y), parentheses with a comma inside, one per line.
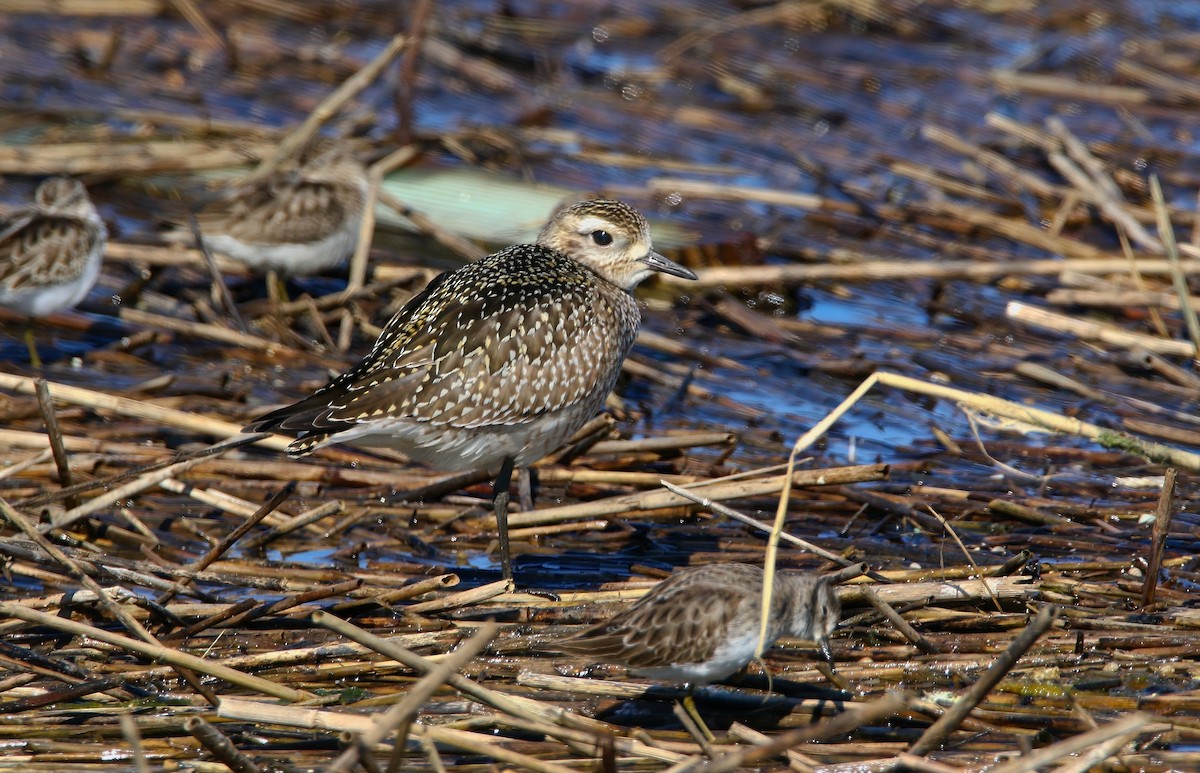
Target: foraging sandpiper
(499,362)
(296,221)
(701,624)
(50,251)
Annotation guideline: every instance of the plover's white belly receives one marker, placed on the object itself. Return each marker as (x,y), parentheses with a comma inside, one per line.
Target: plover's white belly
(471,448)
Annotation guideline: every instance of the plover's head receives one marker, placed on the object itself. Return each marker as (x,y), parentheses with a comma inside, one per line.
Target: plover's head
(612,239)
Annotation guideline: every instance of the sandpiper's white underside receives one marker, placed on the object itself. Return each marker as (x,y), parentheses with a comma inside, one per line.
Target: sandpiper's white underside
(291,258)
(736,651)
(41,300)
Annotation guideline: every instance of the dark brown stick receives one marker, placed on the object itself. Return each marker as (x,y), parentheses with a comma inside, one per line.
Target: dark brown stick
(1158,536)
(228,541)
(218,279)
(902,625)
(219,745)
(50,419)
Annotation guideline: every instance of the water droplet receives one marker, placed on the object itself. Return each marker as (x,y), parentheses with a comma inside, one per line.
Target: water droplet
(600,34)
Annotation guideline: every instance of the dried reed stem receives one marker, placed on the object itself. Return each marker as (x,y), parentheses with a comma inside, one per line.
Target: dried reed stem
(881,270)
(139,484)
(139,410)
(129,729)
(721,509)
(475,743)
(717,489)
(1092,330)
(329,107)
(229,540)
(50,420)
(402,713)
(846,722)
(1125,728)
(155,652)
(366,229)
(902,625)
(1178,278)
(465,598)
(512,704)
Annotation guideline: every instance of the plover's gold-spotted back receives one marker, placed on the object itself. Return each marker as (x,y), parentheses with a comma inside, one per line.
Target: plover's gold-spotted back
(51,251)
(499,362)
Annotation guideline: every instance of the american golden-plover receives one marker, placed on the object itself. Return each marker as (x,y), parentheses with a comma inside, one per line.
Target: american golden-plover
(499,362)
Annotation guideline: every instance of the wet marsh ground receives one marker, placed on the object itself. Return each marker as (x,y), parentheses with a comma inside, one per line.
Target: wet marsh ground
(939,191)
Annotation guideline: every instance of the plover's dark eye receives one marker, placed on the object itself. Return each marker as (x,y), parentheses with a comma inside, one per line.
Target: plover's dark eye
(603,238)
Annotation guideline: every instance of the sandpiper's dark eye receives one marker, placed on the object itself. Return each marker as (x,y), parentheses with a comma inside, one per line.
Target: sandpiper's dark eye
(603,238)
